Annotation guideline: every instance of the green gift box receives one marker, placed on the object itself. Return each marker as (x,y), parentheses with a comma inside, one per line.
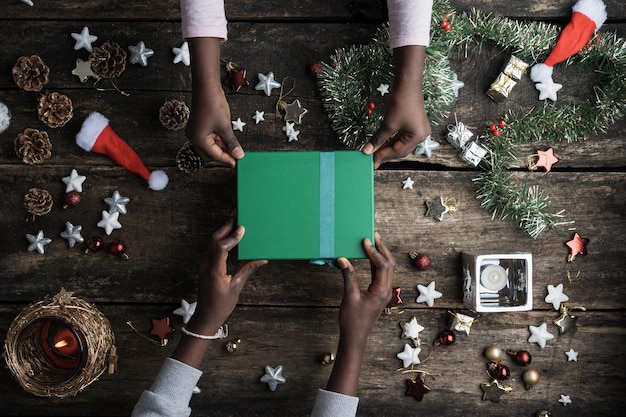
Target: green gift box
(305,205)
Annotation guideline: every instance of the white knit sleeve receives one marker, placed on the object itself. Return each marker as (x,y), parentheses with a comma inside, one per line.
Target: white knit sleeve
(203,18)
(409,22)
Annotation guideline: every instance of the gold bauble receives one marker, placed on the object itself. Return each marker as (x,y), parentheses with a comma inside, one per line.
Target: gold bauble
(493,353)
(530,377)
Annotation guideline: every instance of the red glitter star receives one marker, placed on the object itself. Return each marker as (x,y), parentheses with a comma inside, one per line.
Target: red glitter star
(395,298)
(416,388)
(577,246)
(546,159)
(236,79)
(161,329)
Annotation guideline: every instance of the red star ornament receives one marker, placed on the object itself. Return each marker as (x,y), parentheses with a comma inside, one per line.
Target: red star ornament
(416,388)
(236,79)
(546,159)
(161,329)
(577,246)
(395,298)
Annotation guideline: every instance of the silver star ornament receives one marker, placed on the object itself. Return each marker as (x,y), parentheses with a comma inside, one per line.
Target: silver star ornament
(426,148)
(139,54)
(117,203)
(267,83)
(72,234)
(273,377)
(37,242)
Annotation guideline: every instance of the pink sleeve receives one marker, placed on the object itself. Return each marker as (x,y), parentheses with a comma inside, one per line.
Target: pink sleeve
(409,22)
(203,18)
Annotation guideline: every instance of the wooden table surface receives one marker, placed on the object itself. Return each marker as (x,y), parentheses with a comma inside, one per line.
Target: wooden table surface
(288,310)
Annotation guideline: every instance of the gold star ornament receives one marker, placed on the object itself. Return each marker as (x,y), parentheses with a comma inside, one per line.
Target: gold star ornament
(294,112)
(83,70)
(494,390)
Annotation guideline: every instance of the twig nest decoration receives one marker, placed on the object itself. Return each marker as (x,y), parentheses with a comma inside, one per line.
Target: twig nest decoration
(188,159)
(33,146)
(174,114)
(108,60)
(30,73)
(55,109)
(59,345)
(38,202)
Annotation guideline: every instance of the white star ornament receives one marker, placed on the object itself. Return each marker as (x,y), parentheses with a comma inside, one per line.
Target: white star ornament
(555,296)
(539,334)
(109,222)
(84,40)
(428,294)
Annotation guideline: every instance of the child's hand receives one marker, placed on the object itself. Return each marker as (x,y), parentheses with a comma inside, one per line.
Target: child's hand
(218,291)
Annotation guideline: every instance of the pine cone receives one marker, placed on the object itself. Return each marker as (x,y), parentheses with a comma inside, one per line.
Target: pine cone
(187,159)
(33,146)
(174,114)
(108,60)
(55,109)
(30,73)
(38,202)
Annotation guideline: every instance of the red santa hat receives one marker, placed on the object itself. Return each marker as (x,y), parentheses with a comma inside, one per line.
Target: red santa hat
(587,17)
(96,135)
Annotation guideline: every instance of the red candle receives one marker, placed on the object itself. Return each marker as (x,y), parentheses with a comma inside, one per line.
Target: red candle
(65,342)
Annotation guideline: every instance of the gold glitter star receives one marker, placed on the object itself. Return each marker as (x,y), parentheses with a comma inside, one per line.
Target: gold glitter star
(494,390)
(83,70)
(294,112)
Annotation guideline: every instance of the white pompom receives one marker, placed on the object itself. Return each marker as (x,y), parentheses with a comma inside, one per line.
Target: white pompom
(158,180)
(541,73)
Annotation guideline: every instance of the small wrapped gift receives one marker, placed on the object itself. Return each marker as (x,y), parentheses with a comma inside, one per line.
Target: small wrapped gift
(501,88)
(459,135)
(515,68)
(473,153)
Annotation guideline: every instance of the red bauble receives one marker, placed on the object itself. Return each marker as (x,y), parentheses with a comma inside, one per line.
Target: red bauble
(445,338)
(420,260)
(95,244)
(446,26)
(118,247)
(500,372)
(371,105)
(493,127)
(316,68)
(496,133)
(521,357)
(369,112)
(72,199)
(502,124)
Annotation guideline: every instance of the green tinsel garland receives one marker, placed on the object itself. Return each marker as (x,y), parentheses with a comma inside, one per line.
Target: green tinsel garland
(354,73)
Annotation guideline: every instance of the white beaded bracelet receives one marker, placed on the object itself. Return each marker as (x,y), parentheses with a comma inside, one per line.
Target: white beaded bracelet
(222,332)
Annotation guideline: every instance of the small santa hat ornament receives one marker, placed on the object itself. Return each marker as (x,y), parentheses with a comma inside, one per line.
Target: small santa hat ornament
(587,17)
(97,136)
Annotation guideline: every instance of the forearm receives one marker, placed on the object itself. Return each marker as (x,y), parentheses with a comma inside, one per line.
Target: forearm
(205,65)
(190,349)
(408,62)
(344,377)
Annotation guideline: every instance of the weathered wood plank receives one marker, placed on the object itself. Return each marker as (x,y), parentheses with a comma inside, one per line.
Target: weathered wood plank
(136,117)
(297,338)
(117,10)
(166,232)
